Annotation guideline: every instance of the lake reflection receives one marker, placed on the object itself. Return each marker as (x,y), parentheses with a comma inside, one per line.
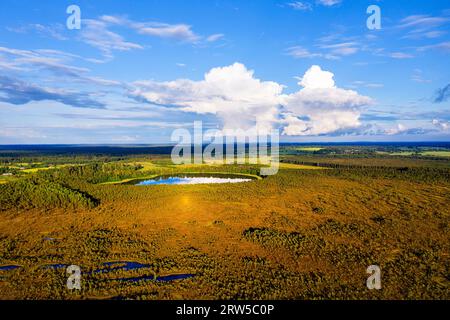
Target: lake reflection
(191,180)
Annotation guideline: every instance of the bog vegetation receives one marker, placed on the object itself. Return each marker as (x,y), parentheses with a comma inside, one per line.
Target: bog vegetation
(308,232)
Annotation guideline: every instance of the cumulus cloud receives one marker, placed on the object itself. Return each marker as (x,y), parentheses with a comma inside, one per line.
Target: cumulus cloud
(316,78)
(320,107)
(232,93)
(241,100)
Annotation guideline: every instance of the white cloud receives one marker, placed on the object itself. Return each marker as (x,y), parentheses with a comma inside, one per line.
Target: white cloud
(329,51)
(425,35)
(396,130)
(359,83)
(381,52)
(182,32)
(329,3)
(320,107)
(240,100)
(232,93)
(342,49)
(442,46)
(316,78)
(420,23)
(299,52)
(54,31)
(21,132)
(306,6)
(417,76)
(424,26)
(442,125)
(9,66)
(215,37)
(54,61)
(322,123)
(401,55)
(97,34)
(301,6)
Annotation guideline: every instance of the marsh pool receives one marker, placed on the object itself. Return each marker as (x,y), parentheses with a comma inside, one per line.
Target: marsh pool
(194,179)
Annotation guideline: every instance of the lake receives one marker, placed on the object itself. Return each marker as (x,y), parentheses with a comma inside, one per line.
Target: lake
(179,179)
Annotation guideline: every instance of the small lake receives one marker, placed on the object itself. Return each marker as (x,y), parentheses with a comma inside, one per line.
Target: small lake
(171,277)
(121,265)
(9,267)
(204,178)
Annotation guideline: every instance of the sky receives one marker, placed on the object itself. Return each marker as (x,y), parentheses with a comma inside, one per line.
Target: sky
(135,71)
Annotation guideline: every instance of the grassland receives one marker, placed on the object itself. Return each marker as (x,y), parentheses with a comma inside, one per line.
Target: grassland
(300,166)
(308,232)
(436,153)
(310,149)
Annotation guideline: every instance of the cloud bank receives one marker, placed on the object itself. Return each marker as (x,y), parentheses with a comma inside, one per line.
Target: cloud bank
(18,92)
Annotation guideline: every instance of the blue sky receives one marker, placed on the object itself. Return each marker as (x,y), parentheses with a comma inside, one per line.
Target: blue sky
(138,70)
